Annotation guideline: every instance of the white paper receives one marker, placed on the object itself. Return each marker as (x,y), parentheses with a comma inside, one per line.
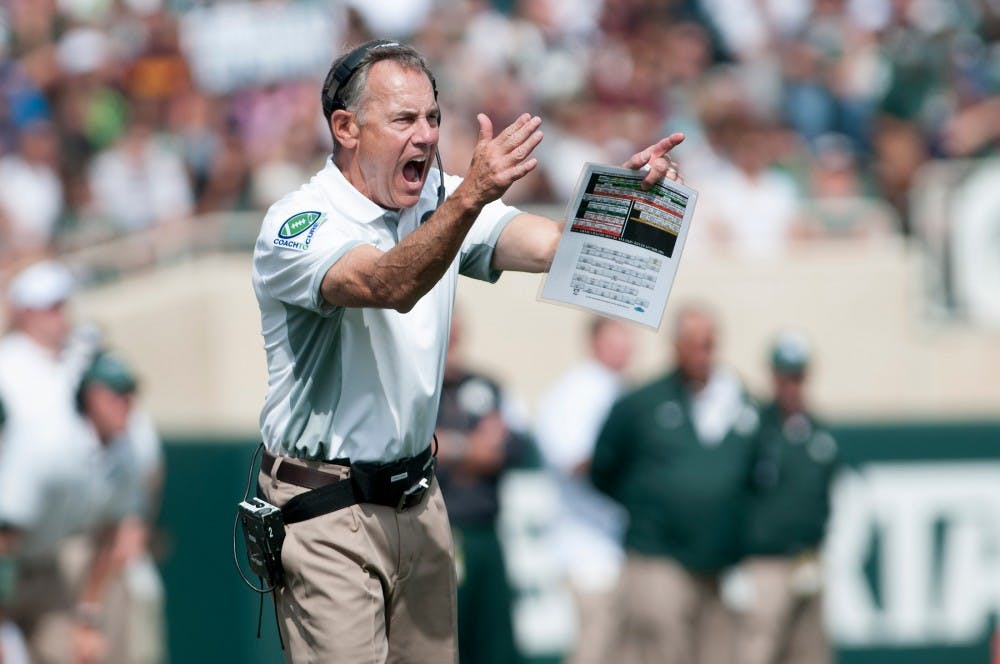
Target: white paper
(621,245)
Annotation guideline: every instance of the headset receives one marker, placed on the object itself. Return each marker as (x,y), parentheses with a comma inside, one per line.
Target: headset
(342,73)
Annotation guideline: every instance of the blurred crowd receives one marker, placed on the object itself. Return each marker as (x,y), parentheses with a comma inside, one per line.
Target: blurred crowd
(119,116)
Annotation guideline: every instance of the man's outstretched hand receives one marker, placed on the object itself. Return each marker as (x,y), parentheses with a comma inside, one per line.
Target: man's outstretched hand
(657,158)
(499,161)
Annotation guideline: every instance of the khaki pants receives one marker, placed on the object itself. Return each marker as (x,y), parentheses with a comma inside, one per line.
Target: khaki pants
(45,596)
(782,626)
(43,608)
(668,615)
(367,584)
(595,612)
(131,608)
(133,619)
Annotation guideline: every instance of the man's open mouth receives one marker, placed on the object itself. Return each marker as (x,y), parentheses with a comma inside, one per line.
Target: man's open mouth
(413,170)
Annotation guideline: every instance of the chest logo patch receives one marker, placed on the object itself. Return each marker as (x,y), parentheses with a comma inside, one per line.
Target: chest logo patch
(297,231)
(669,415)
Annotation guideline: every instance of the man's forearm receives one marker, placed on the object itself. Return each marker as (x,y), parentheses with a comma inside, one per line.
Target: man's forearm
(527,244)
(399,277)
(409,270)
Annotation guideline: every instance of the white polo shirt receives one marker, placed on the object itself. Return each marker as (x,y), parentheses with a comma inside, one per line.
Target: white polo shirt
(358,383)
(46,474)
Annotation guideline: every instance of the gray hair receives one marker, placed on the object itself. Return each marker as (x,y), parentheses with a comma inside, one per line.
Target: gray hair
(350,95)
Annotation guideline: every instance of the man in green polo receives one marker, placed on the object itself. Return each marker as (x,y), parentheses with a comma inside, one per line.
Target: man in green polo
(677,453)
(788,512)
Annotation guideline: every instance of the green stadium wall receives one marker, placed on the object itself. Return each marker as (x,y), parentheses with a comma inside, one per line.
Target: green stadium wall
(913,558)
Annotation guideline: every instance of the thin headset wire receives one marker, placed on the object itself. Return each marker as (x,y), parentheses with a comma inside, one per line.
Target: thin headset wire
(236,524)
(260,590)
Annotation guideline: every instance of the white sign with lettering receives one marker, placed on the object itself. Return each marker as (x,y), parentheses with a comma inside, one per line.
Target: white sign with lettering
(929,536)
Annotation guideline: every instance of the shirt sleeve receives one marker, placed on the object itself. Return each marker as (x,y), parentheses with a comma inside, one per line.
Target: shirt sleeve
(612,450)
(476,253)
(294,251)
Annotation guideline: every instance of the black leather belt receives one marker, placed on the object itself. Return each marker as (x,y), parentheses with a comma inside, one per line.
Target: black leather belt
(400,484)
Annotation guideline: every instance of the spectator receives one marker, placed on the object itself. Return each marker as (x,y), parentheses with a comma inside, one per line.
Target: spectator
(974,130)
(138,183)
(677,454)
(902,80)
(589,534)
(44,478)
(786,521)
(288,165)
(121,601)
(476,446)
(225,184)
(838,206)
(31,193)
(160,72)
(900,151)
(749,205)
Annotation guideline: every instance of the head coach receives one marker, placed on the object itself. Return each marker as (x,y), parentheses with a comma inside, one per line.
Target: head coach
(355,275)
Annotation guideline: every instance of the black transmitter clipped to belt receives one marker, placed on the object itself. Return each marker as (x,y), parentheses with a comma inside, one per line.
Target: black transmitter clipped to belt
(264,533)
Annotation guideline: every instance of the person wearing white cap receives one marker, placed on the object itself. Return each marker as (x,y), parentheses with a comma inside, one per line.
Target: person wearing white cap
(43,477)
(786,519)
(12,647)
(41,357)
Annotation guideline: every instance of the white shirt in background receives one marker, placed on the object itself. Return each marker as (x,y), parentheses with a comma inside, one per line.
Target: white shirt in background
(570,417)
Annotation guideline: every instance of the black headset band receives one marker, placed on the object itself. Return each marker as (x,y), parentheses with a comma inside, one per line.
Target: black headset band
(349,66)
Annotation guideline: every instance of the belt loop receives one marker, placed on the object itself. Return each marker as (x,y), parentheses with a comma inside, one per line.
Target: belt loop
(278,460)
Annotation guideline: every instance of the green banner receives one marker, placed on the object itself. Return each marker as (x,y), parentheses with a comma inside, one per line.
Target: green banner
(909,561)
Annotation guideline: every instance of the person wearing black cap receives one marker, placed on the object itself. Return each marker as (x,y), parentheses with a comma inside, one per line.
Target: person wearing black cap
(787,515)
(116,624)
(85,549)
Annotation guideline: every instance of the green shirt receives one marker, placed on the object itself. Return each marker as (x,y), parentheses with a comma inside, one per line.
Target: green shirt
(790,499)
(684,497)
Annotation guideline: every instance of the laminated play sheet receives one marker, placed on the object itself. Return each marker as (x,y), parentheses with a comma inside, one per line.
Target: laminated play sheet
(621,245)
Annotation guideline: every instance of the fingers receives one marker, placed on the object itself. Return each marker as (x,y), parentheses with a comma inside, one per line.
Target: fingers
(658,149)
(658,162)
(521,129)
(485,127)
(513,146)
(526,167)
(665,145)
(498,161)
(659,168)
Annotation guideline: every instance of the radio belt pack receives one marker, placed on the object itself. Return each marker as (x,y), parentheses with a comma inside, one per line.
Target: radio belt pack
(400,484)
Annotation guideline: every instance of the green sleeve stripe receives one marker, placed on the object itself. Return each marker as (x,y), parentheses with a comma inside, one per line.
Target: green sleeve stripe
(324,267)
